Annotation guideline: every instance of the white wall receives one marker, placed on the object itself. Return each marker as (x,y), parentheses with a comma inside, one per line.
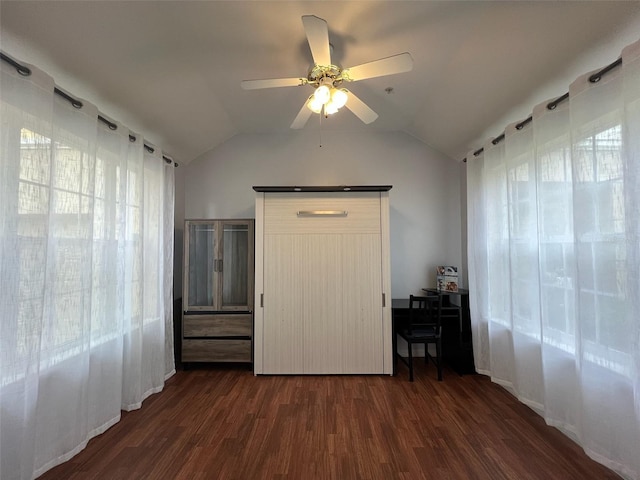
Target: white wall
(178,219)
(425,198)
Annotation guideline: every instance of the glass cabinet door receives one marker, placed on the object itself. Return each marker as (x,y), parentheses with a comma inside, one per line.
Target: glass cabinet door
(201,280)
(219,266)
(236,265)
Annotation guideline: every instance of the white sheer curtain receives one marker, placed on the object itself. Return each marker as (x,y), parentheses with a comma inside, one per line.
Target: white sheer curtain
(86,231)
(554,263)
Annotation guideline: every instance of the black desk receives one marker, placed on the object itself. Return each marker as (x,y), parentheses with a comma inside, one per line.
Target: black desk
(457,348)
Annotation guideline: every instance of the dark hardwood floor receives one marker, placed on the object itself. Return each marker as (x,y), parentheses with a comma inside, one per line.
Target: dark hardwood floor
(225,423)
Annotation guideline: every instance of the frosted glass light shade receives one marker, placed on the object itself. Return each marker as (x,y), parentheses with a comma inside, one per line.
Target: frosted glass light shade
(314,105)
(322,94)
(330,108)
(329,98)
(339,97)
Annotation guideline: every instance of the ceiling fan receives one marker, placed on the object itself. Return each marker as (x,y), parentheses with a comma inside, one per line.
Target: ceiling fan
(327,79)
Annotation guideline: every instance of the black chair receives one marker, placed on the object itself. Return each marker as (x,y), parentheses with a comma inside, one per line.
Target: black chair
(423,327)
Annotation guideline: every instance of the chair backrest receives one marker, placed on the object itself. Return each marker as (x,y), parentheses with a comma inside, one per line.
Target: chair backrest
(425,311)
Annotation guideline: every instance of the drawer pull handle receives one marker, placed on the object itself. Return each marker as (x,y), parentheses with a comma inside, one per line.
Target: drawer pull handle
(322,213)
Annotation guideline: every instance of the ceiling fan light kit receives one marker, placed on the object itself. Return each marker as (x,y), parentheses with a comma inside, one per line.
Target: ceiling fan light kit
(330,99)
(328,96)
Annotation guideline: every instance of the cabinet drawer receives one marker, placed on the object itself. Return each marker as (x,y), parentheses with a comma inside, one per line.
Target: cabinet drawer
(217,325)
(361,213)
(216,350)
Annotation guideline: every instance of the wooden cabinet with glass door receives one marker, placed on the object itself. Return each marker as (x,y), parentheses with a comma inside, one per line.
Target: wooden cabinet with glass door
(217,317)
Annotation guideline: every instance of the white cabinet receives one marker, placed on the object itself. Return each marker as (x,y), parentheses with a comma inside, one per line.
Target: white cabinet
(323,303)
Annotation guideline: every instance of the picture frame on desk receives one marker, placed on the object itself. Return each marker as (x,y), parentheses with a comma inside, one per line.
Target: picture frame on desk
(447,278)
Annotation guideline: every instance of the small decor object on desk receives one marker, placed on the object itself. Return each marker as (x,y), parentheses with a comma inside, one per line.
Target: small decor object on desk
(447,278)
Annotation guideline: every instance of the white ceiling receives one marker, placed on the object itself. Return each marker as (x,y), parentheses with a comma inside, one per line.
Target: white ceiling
(172,69)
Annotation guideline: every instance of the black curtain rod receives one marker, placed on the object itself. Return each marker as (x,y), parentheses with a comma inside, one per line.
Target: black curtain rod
(594,78)
(22,70)
(25,72)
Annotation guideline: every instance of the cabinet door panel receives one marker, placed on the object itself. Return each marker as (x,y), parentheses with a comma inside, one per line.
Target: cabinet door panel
(201,249)
(235,265)
(283,304)
(362,328)
(219,265)
(322,292)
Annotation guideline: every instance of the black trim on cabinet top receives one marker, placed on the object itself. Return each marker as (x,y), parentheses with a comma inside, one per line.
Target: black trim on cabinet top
(339,188)
(219,337)
(217,312)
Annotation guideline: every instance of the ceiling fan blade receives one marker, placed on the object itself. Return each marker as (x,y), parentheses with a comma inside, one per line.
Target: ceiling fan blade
(302,117)
(378,68)
(317,32)
(272,82)
(360,109)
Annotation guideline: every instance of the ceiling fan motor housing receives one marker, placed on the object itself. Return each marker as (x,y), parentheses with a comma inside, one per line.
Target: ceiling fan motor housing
(329,75)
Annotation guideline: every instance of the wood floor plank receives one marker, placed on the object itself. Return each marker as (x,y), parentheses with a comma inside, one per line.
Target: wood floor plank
(221,422)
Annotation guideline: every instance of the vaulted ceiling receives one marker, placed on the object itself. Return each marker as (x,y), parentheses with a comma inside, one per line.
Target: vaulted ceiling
(172,69)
